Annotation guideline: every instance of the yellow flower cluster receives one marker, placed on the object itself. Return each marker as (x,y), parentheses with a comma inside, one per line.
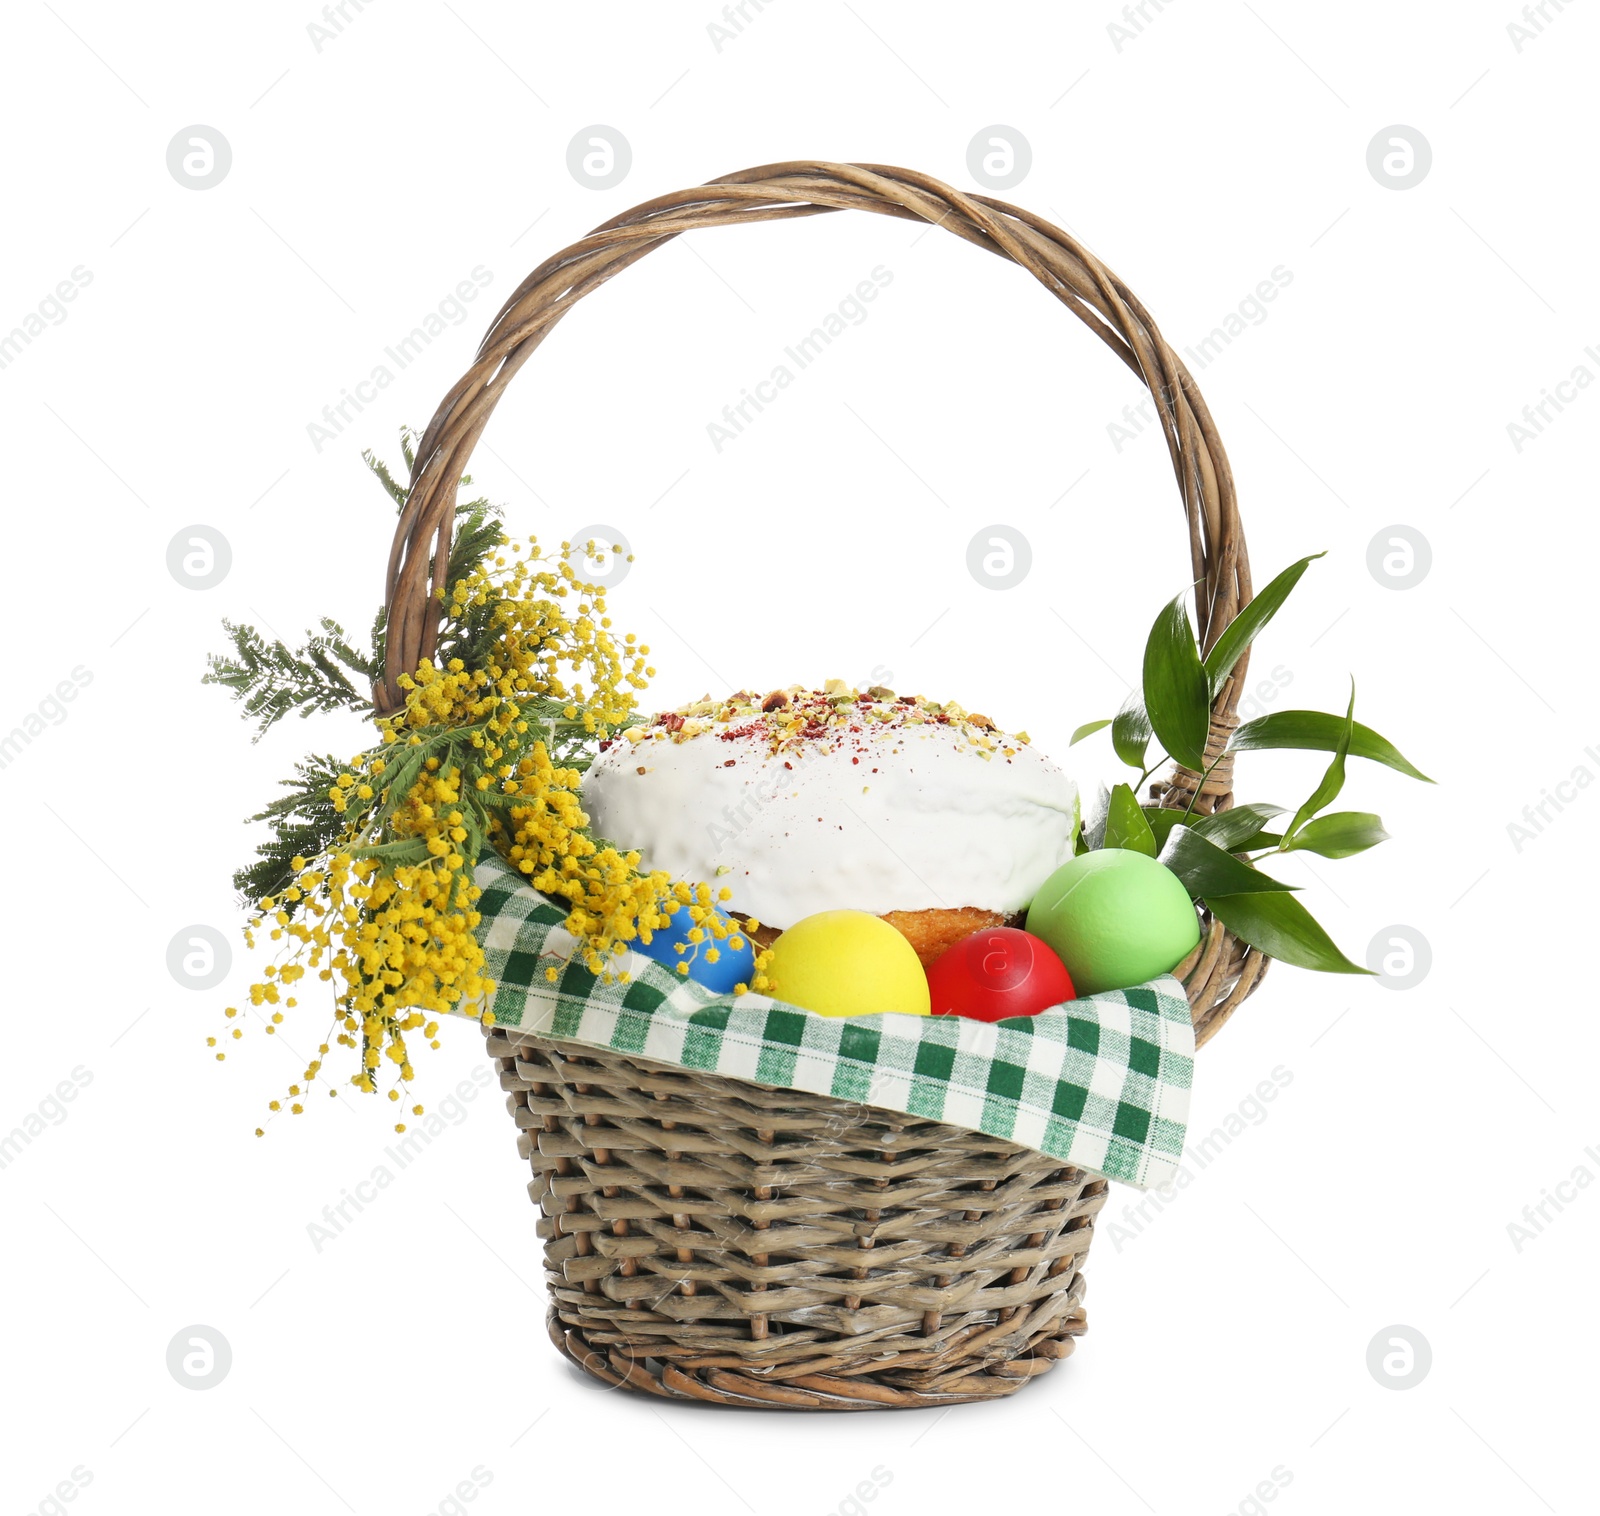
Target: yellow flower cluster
(387,915)
(396,942)
(535,639)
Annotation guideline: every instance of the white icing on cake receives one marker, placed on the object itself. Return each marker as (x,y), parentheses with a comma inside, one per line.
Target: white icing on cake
(837,803)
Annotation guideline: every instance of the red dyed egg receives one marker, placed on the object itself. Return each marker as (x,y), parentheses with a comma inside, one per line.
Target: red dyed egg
(998,973)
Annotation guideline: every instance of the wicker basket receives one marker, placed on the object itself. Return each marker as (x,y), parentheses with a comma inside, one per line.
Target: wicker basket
(715,1240)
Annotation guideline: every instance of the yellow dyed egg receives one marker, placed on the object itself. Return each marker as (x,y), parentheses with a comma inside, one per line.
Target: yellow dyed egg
(848,963)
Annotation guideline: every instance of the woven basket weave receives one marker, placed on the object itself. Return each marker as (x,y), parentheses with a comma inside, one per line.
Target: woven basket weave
(716,1240)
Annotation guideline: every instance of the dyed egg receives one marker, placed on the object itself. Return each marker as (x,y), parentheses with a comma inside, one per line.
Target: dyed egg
(734,965)
(998,973)
(847,963)
(1116,917)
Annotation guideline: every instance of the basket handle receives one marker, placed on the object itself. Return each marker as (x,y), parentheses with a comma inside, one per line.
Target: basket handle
(780,192)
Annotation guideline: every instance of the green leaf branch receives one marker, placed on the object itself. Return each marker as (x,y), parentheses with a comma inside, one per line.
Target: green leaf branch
(1218,856)
(329,672)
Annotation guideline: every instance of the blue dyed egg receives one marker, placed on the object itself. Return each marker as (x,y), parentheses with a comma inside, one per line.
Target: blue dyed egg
(733,966)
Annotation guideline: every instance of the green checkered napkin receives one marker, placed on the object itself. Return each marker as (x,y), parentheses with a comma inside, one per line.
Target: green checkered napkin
(1102,1083)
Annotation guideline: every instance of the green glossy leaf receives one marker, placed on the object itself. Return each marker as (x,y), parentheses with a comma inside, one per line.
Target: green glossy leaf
(1332,781)
(1177,698)
(1162,819)
(1234,831)
(1319,731)
(1338,835)
(1126,826)
(1088,729)
(1241,631)
(1281,928)
(1130,732)
(1206,869)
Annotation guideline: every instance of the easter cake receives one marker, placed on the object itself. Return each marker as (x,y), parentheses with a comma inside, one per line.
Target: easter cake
(804,800)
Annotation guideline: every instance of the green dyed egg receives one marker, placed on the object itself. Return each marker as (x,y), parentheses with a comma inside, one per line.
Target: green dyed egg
(1116,918)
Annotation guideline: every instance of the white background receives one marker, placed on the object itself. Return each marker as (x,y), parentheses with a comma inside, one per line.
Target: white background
(369,176)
